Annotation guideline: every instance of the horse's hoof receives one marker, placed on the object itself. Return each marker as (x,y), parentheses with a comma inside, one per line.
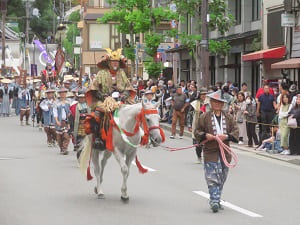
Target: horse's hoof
(125,199)
(95,190)
(101,196)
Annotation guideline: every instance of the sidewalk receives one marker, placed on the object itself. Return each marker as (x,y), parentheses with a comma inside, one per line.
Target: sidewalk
(293,159)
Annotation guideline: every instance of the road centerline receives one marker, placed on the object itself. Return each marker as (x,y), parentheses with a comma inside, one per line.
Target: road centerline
(231,206)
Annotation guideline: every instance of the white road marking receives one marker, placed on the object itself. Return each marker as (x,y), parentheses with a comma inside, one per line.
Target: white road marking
(231,206)
(146,167)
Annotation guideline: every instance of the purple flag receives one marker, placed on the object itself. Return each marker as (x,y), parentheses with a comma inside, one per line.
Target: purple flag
(43,50)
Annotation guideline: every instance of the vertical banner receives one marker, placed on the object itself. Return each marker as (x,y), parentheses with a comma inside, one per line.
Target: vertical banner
(59,60)
(23,77)
(33,70)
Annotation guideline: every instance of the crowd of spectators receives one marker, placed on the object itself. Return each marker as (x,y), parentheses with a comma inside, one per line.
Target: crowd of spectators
(268,121)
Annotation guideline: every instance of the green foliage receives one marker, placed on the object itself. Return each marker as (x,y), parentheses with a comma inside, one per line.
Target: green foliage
(190,41)
(16,10)
(129,53)
(72,32)
(74,16)
(219,47)
(256,43)
(152,41)
(153,68)
(220,19)
(42,25)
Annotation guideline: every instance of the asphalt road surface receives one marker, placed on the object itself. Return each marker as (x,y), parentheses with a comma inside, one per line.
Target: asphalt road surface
(40,187)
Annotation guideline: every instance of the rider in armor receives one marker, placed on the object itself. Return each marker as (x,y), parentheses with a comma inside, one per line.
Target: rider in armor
(111,78)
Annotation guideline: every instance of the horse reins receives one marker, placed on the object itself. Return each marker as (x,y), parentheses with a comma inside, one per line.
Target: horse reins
(222,146)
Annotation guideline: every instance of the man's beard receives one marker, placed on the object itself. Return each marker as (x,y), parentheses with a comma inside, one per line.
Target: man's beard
(115,68)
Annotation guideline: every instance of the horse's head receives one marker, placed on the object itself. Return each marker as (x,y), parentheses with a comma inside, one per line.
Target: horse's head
(152,119)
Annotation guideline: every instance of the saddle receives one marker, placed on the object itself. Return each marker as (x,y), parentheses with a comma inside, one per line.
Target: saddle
(98,122)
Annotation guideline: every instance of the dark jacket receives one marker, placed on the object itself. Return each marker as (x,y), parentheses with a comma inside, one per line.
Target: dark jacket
(211,149)
(295,112)
(251,109)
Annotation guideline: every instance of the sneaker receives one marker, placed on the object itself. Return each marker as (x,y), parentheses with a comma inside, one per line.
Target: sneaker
(49,144)
(214,207)
(22,123)
(241,142)
(172,137)
(221,207)
(181,137)
(285,152)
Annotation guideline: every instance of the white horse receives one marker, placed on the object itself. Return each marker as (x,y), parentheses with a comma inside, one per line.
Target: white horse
(125,153)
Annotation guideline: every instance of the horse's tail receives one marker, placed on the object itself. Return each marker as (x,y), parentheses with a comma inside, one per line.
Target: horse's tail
(142,170)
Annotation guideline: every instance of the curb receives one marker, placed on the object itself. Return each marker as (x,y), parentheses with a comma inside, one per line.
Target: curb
(238,147)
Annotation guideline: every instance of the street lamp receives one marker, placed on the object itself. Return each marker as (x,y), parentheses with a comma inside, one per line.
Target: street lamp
(3,12)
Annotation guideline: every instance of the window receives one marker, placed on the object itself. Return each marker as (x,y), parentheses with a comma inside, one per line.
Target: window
(96,3)
(238,11)
(274,27)
(256,8)
(99,36)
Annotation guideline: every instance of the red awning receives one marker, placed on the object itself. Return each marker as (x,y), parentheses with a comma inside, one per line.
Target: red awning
(273,53)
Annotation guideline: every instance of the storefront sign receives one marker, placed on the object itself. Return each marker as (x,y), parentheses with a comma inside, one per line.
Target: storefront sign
(287,20)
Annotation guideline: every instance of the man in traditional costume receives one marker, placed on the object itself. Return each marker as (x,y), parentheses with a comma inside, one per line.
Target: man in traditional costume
(112,77)
(212,124)
(49,122)
(61,112)
(6,96)
(48,75)
(24,98)
(81,111)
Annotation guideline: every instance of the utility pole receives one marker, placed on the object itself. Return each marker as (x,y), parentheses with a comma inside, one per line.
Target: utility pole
(27,21)
(53,31)
(204,74)
(3,11)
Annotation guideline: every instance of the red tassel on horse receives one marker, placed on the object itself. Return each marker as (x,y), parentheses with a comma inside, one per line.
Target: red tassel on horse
(142,170)
(88,174)
(109,138)
(162,134)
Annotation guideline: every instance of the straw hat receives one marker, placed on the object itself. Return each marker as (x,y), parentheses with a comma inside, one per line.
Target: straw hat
(6,81)
(36,80)
(217,96)
(62,90)
(68,77)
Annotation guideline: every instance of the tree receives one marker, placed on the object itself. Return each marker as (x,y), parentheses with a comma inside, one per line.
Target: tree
(71,33)
(220,19)
(16,12)
(135,17)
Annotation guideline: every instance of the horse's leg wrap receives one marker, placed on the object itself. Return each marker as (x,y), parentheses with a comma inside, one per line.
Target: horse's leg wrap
(97,169)
(124,170)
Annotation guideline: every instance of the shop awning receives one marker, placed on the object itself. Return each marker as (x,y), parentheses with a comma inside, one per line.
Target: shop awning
(273,53)
(293,63)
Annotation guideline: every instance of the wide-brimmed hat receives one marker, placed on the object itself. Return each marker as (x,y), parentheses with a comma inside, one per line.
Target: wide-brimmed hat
(81,93)
(293,88)
(203,91)
(6,81)
(50,90)
(149,92)
(217,96)
(70,95)
(63,89)
(36,80)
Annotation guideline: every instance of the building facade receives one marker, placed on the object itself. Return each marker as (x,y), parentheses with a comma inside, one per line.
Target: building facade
(96,36)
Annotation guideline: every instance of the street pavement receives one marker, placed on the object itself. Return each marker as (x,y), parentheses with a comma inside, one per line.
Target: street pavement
(39,186)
